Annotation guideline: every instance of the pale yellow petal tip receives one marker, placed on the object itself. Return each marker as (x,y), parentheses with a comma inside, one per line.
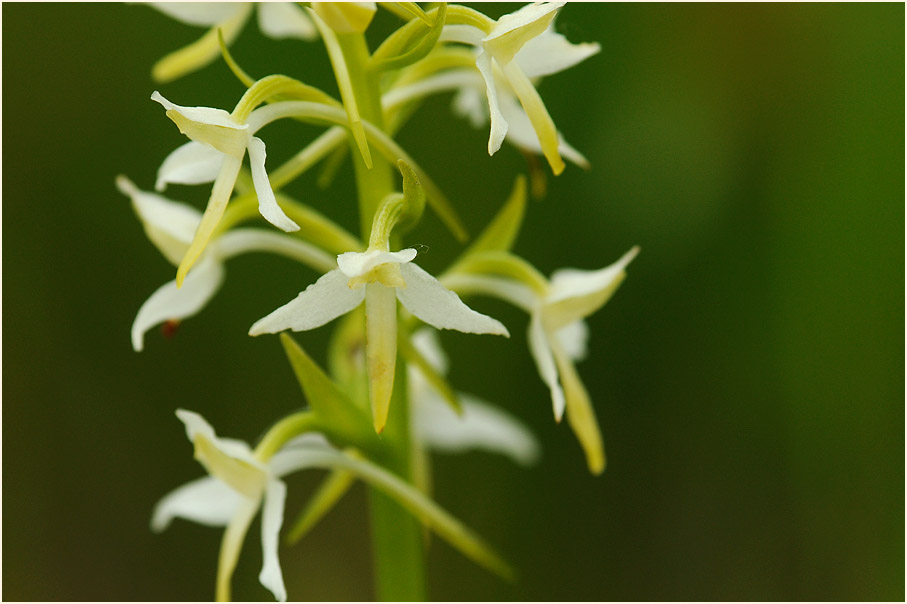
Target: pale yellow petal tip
(597,463)
(557,164)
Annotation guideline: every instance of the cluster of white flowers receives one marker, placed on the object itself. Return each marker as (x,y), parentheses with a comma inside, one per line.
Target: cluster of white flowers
(447,49)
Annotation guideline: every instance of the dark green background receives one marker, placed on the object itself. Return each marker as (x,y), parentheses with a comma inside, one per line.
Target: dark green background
(748,374)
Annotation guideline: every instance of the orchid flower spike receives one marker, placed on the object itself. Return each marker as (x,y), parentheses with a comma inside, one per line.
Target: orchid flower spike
(557,336)
(218,140)
(170,225)
(379,278)
(275,19)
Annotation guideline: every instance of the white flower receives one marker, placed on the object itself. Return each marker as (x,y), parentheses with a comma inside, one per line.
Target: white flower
(215,134)
(379,278)
(480,426)
(557,336)
(239,484)
(522,45)
(170,226)
(275,19)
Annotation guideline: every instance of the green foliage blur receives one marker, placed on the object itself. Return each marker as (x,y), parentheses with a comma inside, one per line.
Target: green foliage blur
(747,375)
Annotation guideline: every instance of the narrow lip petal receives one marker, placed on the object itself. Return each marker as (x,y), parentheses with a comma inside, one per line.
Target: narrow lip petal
(267,203)
(193,163)
(521,133)
(202,115)
(271,521)
(285,20)
(320,303)
(231,546)
(205,500)
(427,299)
(357,264)
(498,123)
(170,302)
(204,14)
(544,361)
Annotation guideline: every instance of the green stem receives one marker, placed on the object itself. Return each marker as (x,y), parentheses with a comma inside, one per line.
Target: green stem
(396,535)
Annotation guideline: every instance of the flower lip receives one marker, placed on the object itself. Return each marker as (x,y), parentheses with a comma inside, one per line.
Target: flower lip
(357,264)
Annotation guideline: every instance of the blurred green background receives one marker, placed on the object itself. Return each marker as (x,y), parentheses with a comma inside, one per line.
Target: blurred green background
(747,375)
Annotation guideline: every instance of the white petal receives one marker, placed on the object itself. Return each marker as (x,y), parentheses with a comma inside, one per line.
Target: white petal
(468,103)
(356,264)
(521,133)
(498,123)
(552,53)
(544,361)
(170,302)
(206,501)
(319,303)
(198,13)
(229,460)
(576,294)
(573,338)
(285,20)
(267,203)
(271,520)
(516,29)
(170,225)
(481,427)
(426,342)
(201,115)
(426,298)
(190,164)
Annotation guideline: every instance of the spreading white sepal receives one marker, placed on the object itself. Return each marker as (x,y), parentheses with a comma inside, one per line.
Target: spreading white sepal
(285,20)
(190,164)
(203,14)
(427,299)
(206,501)
(169,302)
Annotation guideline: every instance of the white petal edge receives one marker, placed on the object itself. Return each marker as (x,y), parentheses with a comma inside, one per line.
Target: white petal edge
(356,264)
(480,427)
(544,361)
(267,203)
(271,520)
(241,241)
(573,283)
(170,302)
(203,14)
(193,163)
(552,53)
(285,20)
(320,303)
(498,123)
(427,299)
(521,133)
(170,225)
(207,501)
(573,339)
(523,17)
(201,115)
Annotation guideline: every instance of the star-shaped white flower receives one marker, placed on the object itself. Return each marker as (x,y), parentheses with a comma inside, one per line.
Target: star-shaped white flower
(379,278)
(275,19)
(170,225)
(520,46)
(217,136)
(238,486)
(557,336)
